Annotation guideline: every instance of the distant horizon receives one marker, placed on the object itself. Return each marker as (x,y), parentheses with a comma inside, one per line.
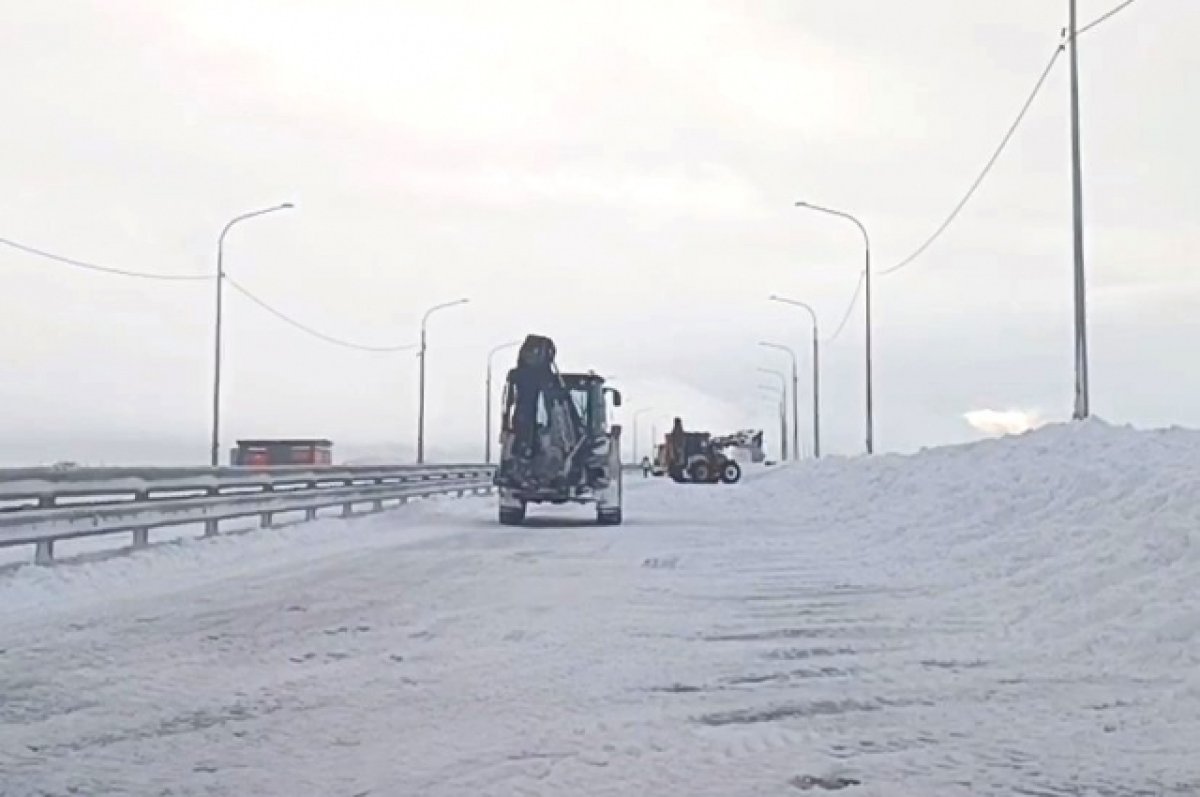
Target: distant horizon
(143,451)
(146,451)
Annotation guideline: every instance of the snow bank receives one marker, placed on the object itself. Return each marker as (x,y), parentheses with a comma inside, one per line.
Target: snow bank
(1027,607)
(1081,533)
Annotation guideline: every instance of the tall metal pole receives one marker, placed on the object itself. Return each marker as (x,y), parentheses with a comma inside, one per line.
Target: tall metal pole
(218,324)
(421,401)
(816,399)
(867,286)
(816,374)
(215,442)
(637,415)
(783,393)
(487,434)
(421,388)
(1082,409)
(795,406)
(795,394)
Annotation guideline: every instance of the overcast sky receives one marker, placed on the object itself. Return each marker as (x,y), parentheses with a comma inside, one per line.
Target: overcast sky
(617,175)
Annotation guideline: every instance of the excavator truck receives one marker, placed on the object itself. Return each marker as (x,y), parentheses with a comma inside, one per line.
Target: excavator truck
(556,443)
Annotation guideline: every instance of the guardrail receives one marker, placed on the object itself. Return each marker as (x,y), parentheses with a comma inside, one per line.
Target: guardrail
(40,506)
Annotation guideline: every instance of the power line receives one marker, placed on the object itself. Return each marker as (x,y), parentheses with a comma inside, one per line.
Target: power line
(103,269)
(962,203)
(862,277)
(305,328)
(1004,142)
(82,264)
(1104,17)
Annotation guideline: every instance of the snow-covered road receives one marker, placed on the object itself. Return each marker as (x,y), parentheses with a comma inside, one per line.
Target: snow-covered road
(1012,617)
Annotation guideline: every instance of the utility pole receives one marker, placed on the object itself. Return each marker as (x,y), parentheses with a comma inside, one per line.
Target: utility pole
(783,399)
(421,389)
(816,370)
(867,300)
(487,434)
(795,394)
(1082,409)
(782,407)
(218,329)
(636,415)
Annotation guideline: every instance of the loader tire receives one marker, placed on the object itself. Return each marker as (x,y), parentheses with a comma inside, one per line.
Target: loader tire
(731,472)
(700,471)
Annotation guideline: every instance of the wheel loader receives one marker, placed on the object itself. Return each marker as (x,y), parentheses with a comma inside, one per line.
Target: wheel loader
(556,443)
(699,458)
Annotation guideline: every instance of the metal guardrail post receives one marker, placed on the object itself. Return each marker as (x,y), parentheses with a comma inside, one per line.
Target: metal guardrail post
(45,553)
(141,537)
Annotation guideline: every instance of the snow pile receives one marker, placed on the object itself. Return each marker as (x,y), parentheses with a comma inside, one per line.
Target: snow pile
(1088,532)
(1013,615)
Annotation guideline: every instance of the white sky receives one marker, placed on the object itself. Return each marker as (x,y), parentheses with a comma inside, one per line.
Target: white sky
(617,175)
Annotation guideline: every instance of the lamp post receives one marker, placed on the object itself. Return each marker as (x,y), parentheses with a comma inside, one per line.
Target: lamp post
(1081,409)
(487,434)
(654,441)
(421,397)
(781,401)
(795,394)
(783,390)
(215,452)
(867,286)
(816,374)
(636,415)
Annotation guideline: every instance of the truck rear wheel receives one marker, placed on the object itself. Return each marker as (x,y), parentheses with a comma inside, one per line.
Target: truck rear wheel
(608,517)
(512,515)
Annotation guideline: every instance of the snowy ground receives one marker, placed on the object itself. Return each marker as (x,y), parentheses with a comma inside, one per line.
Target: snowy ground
(1013,617)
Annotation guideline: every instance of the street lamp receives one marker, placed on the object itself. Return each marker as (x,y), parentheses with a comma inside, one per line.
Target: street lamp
(487,446)
(654,441)
(795,394)
(781,402)
(636,415)
(783,448)
(421,399)
(816,374)
(1081,410)
(867,277)
(215,452)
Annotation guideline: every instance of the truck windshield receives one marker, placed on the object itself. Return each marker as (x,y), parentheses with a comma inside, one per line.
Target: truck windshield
(579,397)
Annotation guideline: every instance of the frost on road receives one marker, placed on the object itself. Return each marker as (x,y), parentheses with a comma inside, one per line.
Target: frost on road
(1010,617)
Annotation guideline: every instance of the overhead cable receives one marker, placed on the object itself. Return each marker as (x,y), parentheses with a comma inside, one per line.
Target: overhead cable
(307,329)
(82,264)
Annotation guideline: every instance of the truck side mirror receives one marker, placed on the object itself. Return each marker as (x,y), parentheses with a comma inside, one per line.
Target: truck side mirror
(616,397)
